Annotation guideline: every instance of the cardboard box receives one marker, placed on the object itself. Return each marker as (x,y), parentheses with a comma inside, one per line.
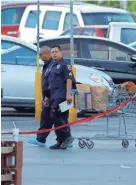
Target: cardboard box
(99,97)
(83,99)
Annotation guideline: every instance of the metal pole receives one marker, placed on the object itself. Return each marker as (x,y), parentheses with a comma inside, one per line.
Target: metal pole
(38,30)
(72,111)
(71,33)
(38,97)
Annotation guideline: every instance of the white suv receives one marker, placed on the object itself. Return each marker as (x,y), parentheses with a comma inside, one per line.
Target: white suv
(56,19)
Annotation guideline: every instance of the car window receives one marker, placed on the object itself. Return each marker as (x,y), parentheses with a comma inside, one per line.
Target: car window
(89,32)
(64,44)
(31,21)
(128,35)
(67,21)
(104,30)
(86,31)
(51,20)
(106,18)
(6,45)
(12,16)
(103,50)
(21,56)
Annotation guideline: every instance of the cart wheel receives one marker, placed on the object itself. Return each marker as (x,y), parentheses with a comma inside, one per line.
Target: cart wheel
(81,143)
(89,144)
(125,143)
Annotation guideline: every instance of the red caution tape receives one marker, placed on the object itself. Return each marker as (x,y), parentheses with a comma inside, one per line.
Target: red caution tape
(79,121)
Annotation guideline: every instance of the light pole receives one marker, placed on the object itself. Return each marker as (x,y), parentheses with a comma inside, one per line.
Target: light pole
(38,94)
(72,111)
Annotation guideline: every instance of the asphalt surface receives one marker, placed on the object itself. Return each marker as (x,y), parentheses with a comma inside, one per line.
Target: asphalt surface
(108,163)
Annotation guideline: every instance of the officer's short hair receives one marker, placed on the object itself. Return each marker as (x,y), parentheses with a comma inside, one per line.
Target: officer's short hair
(46,48)
(56,46)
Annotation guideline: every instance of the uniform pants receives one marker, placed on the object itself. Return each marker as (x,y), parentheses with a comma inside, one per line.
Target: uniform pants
(58,118)
(45,123)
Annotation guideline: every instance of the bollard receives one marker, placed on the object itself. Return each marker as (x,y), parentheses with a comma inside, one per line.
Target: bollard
(11,162)
(38,95)
(73,111)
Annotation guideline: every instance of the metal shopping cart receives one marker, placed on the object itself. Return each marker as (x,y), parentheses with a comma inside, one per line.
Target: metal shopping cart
(117,96)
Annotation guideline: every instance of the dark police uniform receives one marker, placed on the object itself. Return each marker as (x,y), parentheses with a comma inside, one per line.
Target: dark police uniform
(60,72)
(45,122)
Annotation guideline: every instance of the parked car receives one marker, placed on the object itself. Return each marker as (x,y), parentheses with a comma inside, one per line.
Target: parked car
(12,13)
(96,31)
(20,20)
(18,74)
(124,32)
(133,44)
(111,57)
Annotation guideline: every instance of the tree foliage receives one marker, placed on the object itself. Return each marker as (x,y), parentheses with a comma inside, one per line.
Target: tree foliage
(131,7)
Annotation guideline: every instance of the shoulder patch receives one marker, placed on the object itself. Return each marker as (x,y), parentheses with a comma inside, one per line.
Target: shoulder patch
(69,67)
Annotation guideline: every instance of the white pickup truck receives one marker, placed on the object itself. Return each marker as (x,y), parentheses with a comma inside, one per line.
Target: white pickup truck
(124,32)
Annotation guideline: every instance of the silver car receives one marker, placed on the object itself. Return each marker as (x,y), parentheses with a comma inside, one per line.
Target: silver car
(18,73)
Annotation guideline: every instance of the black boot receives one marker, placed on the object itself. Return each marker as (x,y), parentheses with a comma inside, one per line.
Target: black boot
(56,146)
(67,142)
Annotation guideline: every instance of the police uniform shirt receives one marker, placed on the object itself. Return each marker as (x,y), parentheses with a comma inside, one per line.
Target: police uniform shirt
(45,73)
(61,71)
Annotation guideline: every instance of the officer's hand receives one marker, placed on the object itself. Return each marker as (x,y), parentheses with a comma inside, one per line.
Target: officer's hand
(69,98)
(46,102)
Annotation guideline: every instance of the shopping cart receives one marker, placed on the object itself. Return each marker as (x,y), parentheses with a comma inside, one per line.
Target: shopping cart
(117,96)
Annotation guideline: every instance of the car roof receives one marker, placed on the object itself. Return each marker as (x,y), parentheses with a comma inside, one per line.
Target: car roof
(5,4)
(124,24)
(18,41)
(87,37)
(83,7)
(86,8)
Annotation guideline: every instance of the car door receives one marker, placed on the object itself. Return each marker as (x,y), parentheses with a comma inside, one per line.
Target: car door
(112,58)
(18,73)
(28,24)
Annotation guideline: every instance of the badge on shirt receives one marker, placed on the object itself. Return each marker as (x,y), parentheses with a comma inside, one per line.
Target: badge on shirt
(69,67)
(58,66)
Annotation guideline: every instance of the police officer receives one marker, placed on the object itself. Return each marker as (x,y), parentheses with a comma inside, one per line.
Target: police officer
(45,122)
(60,84)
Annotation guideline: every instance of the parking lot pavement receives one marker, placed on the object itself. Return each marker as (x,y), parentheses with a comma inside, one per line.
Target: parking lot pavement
(108,163)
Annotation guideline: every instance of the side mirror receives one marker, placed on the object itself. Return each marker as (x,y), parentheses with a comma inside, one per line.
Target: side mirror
(133,58)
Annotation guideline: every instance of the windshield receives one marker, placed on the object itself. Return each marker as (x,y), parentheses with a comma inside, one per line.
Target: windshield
(105,18)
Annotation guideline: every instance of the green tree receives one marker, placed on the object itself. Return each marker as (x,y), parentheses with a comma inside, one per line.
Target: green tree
(111,3)
(114,3)
(132,6)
